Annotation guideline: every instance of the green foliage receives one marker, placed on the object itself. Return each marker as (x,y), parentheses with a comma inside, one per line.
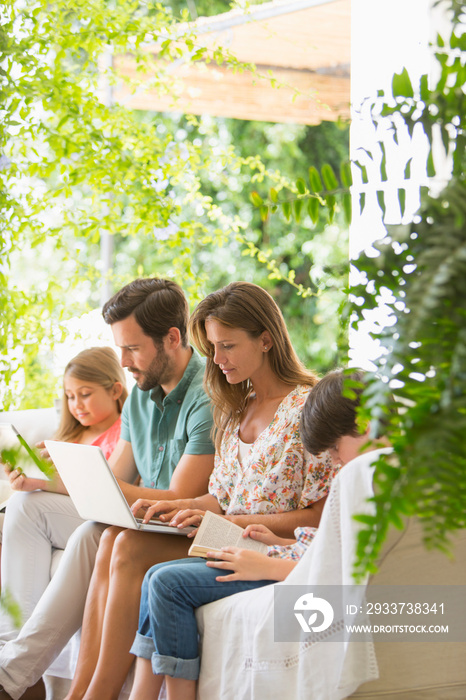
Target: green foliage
(207,8)
(11,607)
(75,168)
(68,165)
(421,274)
(283,259)
(323,191)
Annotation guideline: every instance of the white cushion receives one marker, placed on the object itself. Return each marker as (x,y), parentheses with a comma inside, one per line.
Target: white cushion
(34,424)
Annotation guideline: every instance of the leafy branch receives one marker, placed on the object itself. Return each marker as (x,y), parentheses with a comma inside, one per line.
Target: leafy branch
(321,191)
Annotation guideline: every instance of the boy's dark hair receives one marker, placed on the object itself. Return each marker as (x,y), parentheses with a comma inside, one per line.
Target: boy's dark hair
(327,414)
(157,306)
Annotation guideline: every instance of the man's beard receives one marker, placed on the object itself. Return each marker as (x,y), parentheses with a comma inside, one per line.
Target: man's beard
(159,371)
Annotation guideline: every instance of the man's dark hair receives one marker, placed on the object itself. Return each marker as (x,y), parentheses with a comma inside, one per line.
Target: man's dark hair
(327,414)
(157,306)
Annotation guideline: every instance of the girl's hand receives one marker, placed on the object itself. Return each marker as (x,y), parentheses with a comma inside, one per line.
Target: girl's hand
(43,452)
(246,564)
(263,534)
(21,482)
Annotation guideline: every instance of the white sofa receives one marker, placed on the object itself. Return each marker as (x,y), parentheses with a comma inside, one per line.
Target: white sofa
(242,661)
(233,630)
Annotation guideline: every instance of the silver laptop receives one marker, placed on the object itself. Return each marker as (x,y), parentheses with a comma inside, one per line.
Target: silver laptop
(94,489)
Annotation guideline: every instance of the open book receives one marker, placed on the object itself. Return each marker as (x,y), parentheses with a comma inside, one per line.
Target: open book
(216,532)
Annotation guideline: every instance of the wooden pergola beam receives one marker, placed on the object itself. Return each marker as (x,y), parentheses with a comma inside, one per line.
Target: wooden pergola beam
(304,46)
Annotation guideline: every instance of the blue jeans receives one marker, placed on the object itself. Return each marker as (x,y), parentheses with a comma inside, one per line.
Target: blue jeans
(171,592)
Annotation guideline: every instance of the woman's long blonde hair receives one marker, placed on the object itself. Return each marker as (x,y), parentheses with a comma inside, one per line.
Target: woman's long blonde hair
(98,365)
(250,308)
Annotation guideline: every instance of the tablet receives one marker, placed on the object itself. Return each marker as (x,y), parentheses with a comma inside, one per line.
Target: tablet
(15,452)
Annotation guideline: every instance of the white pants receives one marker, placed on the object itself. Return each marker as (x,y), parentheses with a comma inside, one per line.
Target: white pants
(35,525)
(59,611)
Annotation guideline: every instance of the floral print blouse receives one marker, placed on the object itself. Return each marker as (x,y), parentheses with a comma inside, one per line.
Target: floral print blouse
(277,475)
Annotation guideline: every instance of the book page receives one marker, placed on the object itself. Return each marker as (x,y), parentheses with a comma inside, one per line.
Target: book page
(216,532)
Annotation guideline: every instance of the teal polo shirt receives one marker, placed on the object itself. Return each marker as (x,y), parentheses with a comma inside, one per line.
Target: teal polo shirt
(161,429)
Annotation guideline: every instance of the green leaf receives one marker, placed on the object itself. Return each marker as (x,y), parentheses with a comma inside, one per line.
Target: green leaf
(11,607)
(402,200)
(331,202)
(314,180)
(328,176)
(362,202)
(407,173)
(346,175)
(264,212)
(273,194)
(383,162)
(301,185)
(396,520)
(256,199)
(401,85)
(313,207)
(424,88)
(430,164)
(347,207)
(363,170)
(286,207)
(297,208)
(381,201)
(365,519)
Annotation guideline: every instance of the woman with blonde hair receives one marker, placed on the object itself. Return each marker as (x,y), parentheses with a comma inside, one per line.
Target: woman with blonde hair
(43,517)
(262,480)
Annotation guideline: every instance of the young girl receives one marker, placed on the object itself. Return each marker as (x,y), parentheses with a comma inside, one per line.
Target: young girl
(94,392)
(37,522)
(262,480)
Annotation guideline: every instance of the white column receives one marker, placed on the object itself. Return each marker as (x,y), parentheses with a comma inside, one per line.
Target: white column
(386,36)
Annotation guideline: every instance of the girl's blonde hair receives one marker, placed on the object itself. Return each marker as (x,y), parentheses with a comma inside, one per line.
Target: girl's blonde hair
(250,308)
(99,366)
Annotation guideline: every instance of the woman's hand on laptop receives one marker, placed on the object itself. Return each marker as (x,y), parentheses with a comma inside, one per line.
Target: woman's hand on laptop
(189,516)
(164,510)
